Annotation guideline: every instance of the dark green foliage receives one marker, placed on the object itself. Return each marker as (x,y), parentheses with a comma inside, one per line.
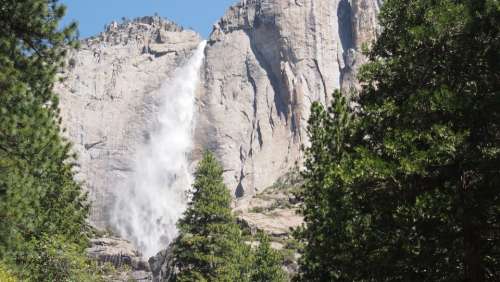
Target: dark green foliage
(326,201)
(53,259)
(210,245)
(268,263)
(411,192)
(38,197)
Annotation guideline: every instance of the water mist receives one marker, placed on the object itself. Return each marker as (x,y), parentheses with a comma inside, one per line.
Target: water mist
(151,201)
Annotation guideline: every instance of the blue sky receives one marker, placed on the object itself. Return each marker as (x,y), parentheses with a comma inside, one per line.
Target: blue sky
(92,15)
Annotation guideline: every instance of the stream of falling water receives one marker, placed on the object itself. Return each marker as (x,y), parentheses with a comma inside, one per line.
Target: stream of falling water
(153,199)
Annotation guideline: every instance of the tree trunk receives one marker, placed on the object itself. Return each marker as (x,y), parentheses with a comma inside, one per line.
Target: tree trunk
(472,237)
(472,259)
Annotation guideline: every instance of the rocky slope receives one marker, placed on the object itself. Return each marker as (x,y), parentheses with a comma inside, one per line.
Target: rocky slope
(109,97)
(266,62)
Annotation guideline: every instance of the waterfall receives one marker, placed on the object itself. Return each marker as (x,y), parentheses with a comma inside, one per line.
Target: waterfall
(151,201)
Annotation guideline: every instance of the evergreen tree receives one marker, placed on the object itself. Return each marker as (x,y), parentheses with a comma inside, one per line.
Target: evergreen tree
(267,263)
(38,197)
(210,246)
(326,200)
(414,193)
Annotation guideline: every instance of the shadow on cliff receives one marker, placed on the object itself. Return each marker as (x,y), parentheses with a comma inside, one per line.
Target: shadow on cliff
(264,42)
(344,16)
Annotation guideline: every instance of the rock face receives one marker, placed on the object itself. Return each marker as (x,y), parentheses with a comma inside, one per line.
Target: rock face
(110,94)
(120,253)
(266,62)
(362,15)
(162,266)
(273,210)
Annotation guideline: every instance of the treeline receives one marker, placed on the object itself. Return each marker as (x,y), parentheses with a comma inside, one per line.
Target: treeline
(402,182)
(43,234)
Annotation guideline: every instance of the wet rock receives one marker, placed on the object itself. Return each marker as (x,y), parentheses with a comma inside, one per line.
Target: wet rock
(118,252)
(162,266)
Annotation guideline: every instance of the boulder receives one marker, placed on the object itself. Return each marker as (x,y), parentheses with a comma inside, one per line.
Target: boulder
(118,252)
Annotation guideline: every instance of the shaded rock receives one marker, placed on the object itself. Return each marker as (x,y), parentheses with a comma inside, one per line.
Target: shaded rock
(162,265)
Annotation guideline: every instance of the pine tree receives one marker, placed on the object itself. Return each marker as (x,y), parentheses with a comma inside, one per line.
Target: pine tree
(38,197)
(326,199)
(210,245)
(267,263)
(415,193)
(431,108)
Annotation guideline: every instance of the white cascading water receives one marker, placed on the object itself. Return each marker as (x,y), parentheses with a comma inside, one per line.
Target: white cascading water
(154,198)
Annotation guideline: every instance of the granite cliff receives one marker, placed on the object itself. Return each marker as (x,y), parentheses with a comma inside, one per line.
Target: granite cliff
(265,62)
(110,95)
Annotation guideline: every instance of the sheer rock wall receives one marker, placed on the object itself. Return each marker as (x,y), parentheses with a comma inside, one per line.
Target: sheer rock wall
(266,62)
(109,96)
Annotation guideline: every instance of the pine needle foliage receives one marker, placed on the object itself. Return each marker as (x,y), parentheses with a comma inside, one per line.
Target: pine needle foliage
(210,246)
(39,198)
(408,190)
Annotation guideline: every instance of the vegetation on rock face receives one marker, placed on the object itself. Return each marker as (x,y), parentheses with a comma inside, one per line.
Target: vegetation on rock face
(408,189)
(42,209)
(210,246)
